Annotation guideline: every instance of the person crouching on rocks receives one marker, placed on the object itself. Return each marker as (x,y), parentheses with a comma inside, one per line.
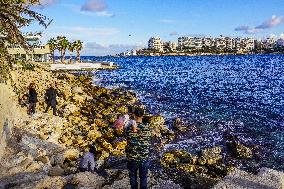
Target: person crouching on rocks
(137,150)
(88,163)
(50,98)
(32,99)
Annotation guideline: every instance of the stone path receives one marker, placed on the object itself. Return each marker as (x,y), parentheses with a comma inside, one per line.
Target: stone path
(265,179)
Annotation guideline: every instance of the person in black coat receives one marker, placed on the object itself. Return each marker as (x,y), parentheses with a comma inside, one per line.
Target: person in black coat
(50,98)
(32,99)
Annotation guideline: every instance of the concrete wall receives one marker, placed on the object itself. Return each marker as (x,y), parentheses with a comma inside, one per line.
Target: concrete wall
(9,113)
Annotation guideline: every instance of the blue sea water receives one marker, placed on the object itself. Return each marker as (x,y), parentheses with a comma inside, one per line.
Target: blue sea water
(243,94)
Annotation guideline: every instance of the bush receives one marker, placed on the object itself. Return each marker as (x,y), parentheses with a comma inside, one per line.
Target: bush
(28,66)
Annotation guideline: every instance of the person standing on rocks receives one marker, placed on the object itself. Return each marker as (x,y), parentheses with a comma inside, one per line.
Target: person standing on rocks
(32,99)
(137,150)
(50,98)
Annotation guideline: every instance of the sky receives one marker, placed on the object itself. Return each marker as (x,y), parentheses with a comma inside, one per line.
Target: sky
(113,26)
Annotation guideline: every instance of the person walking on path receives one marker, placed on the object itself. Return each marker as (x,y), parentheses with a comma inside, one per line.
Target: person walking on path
(50,98)
(32,99)
(137,150)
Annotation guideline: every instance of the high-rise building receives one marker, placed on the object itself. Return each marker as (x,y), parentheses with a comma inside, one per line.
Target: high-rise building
(155,43)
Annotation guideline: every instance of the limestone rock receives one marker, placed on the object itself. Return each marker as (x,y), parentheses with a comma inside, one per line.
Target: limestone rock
(88,179)
(51,182)
(34,166)
(77,90)
(26,162)
(43,159)
(166,184)
(56,171)
(71,154)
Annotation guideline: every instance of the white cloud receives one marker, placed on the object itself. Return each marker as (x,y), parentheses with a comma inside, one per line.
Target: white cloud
(101,13)
(45,3)
(273,36)
(104,14)
(253,31)
(93,48)
(174,33)
(274,21)
(167,21)
(242,28)
(94,5)
(270,23)
(79,32)
(281,36)
(89,31)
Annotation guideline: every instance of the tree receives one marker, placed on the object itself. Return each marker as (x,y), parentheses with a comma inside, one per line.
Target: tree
(52,46)
(15,14)
(62,45)
(78,48)
(71,49)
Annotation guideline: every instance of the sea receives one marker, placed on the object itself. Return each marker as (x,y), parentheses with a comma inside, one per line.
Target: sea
(242,94)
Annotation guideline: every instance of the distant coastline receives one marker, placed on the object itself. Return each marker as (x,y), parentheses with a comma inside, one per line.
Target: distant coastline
(198,54)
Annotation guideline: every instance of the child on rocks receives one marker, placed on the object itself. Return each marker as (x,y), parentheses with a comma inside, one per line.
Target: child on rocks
(125,121)
(88,163)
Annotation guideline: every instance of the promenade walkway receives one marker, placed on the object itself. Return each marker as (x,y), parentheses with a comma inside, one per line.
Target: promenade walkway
(82,66)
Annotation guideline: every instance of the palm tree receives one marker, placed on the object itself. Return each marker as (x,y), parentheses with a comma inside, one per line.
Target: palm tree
(52,46)
(78,48)
(71,49)
(62,46)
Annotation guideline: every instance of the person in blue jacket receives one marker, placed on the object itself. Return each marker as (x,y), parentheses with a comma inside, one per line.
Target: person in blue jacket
(88,163)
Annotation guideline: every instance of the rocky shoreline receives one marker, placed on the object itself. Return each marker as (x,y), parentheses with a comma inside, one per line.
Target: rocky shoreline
(43,150)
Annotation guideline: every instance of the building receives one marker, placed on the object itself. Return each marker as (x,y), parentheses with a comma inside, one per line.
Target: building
(270,42)
(40,52)
(249,44)
(155,43)
(280,42)
(229,43)
(196,43)
(169,46)
(207,42)
(133,52)
(185,43)
(238,44)
(220,43)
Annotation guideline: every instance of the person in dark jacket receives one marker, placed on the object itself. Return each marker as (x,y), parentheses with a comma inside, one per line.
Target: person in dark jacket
(32,99)
(50,98)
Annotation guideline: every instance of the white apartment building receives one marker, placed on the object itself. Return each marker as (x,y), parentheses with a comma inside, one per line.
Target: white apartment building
(220,43)
(269,42)
(155,43)
(280,43)
(249,44)
(229,43)
(208,42)
(190,42)
(238,44)
(197,42)
(172,46)
(183,42)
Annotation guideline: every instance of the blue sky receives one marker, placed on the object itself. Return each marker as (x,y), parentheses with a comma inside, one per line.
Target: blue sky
(111,26)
